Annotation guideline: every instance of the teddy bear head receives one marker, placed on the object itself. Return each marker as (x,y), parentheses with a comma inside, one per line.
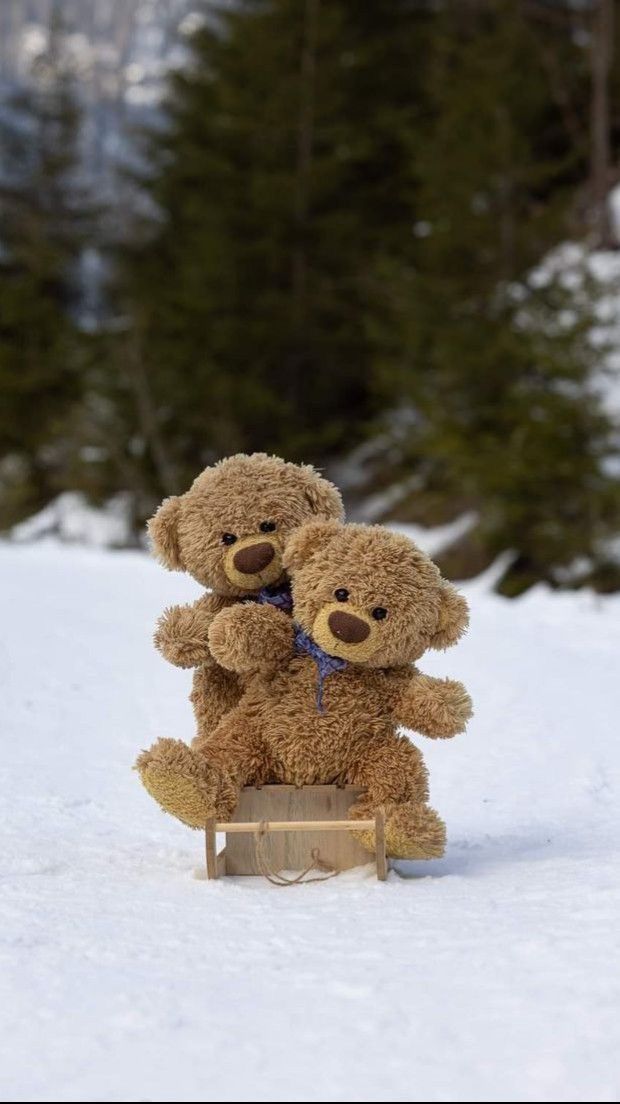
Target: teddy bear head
(229,530)
(369,595)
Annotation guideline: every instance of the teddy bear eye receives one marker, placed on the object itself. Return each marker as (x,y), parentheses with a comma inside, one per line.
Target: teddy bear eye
(379,613)
(228,538)
(267,526)
(341,594)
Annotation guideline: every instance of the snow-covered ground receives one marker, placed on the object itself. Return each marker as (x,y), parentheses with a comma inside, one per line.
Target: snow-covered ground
(491,975)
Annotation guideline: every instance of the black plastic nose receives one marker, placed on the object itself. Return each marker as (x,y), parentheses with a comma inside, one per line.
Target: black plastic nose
(253,558)
(347,627)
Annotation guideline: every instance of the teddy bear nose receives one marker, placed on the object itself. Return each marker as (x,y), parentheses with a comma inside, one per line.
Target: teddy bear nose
(347,627)
(253,558)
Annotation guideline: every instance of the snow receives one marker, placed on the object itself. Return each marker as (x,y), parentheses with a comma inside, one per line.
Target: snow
(436,539)
(71,518)
(489,975)
(574,267)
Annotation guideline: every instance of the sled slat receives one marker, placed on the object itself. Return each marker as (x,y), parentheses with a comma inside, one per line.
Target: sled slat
(380,845)
(295,825)
(210,848)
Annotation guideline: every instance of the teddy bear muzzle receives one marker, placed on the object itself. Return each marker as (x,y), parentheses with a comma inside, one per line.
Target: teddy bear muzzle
(348,634)
(254,558)
(253,562)
(348,627)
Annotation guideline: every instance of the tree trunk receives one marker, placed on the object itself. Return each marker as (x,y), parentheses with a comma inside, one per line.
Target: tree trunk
(601,52)
(147,415)
(305,139)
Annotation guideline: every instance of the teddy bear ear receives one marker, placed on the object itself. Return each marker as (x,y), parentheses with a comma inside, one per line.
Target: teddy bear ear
(308,540)
(324,499)
(453,618)
(164,533)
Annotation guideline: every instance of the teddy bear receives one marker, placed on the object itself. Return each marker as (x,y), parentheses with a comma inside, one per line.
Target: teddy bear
(228,532)
(326,691)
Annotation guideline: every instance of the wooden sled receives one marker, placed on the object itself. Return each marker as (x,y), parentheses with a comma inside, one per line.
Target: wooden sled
(278,828)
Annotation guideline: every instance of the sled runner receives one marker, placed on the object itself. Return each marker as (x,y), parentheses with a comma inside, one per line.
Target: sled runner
(278,828)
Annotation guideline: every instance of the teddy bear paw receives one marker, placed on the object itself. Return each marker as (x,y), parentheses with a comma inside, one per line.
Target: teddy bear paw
(181,781)
(248,637)
(415,832)
(412,831)
(440,708)
(181,638)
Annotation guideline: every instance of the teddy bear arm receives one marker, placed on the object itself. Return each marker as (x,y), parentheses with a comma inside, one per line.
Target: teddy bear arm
(182,631)
(437,708)
(250,637)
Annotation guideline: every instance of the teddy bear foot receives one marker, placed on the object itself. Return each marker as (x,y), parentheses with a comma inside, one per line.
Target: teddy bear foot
(412,831)
(181,781)
(415,832)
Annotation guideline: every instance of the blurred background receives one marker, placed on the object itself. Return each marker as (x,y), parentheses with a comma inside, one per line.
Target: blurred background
(382,238)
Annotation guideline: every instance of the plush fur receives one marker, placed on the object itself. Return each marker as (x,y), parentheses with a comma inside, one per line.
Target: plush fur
(278,734)
(234,497)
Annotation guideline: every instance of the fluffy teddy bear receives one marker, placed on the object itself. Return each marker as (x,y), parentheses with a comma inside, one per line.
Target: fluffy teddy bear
(228,532)
(325,694)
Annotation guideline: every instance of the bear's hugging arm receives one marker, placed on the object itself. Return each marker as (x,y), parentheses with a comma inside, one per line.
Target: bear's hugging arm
(248,637)
(437,708)
(182,631)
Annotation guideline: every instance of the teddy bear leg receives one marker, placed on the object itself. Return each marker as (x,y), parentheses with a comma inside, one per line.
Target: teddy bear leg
(195,783)
(394,776)
(412,830)
(183,782)
(215,692)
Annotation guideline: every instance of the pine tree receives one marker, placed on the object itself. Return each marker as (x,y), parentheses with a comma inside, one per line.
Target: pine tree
(349,207)
(500,368)
(43,223)
(282,179)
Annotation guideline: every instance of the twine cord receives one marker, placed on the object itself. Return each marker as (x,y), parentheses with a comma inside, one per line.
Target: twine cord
(277,878)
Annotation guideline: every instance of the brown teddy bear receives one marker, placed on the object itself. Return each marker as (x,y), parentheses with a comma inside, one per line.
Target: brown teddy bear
(228,531)
(325,694)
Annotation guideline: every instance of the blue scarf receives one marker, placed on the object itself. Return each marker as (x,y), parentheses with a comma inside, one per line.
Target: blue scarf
(280,597)
(326,664)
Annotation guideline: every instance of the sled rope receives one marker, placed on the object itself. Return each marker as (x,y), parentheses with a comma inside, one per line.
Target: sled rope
(276,877)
